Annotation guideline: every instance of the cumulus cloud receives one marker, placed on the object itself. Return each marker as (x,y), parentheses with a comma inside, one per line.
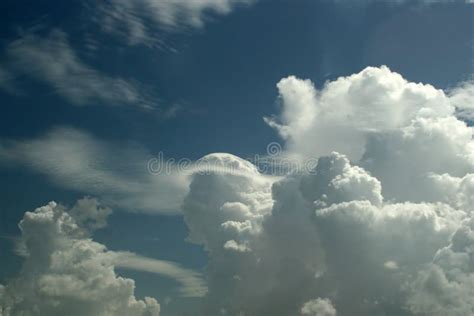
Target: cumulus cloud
(66,273)
(341,115)
(446,286)
(318,307)
(88,213)
(381,121)
(384,227)
(137,20)
(308,235)
(52,60)
(462,97)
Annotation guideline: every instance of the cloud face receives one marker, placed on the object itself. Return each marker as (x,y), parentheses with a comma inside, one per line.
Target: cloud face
(51,60)
(382,228)
(137,20)
(66,273)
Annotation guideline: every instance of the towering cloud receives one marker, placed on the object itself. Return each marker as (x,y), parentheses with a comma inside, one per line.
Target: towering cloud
(341,115)
(398,130)
(383,226)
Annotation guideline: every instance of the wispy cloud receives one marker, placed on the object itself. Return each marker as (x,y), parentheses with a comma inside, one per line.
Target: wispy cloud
(192,282)
(117,172)
(137,20)
(53,61)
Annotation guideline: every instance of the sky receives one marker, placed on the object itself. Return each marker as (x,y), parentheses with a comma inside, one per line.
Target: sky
(237,157)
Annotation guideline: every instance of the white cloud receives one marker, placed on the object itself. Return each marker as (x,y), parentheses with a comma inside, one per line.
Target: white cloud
(391,265)
(66,273)
(52,61)
(137,20)
(310,237)
(192,283)
(124,175)
(395,129)
(346,111)
(234,246)
(446,286)
(382,228)
(118,173)
(318,307)
(88,213)
(408,157)
(462,96)
(455,191)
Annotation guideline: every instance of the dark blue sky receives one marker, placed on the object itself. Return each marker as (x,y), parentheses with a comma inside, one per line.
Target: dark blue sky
(221,79)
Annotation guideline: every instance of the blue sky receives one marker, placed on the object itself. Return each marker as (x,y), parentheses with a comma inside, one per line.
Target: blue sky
(186,90)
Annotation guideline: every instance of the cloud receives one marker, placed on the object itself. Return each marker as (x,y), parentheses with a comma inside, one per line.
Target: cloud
(462,97)
(398,158)
(377,118)
(455,191)
(341,115)
(124,175)
(318,307)
(384,227)
(66,273)
(88,213)
(52,60)
(116,172)
(137,21)
(192,283)
(446,286)
(308,235)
